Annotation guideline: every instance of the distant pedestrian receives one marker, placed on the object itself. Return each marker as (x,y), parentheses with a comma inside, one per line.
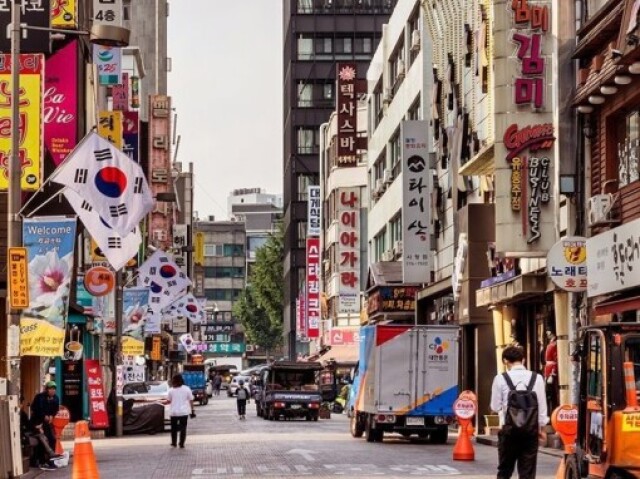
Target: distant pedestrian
(181,400)
(217,384)
(242,398)
(518,395)
(44,407)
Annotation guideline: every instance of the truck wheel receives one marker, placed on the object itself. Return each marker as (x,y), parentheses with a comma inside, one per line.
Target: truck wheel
(355,426)
(205,400)
(571,467)
(369,432)
(440,435)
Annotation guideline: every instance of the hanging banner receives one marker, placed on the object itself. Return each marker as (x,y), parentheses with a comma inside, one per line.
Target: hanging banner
(64,14)
(120,94)
(31,81)
(132,346)
(108,61)
(104,310)
(131,135)
(95,390)
(416,206)
(348,264)
(110,127)
(134,305)
(60,102)
(313,288)
(50,246)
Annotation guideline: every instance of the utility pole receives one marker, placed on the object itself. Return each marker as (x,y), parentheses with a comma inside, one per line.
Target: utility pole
(118,352)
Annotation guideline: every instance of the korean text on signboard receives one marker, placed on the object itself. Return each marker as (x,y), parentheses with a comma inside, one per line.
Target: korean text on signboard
(95,390)
(110,127)
(160,150)
(313,288)
(314,227)
(120,94)
(347,108)
(416,207)
(392,299)
(349,250)
(30,126)
(18,278)
(107,12)
(35,13)
(567,264)
(108,60)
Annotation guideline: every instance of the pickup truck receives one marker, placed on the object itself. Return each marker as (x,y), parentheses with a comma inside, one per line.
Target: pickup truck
(194,376)
(406,382)
(289,389)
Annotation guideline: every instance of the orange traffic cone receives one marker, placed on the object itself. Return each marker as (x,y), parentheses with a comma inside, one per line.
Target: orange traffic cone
(463,450)
(84,460)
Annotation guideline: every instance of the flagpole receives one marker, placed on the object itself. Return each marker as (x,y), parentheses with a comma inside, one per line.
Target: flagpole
(118,353)
(45,203)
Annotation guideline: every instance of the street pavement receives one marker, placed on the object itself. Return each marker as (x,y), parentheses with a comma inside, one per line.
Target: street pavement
(221,446)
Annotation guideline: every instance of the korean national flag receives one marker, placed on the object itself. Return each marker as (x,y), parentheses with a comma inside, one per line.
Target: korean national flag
(106,178)
(116,248)
(162,270)
(189,307)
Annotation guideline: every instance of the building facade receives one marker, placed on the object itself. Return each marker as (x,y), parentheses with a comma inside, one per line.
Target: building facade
(317,34)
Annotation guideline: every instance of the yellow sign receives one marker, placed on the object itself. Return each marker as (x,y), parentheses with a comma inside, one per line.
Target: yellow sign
(110,127)
(156,350)
(30,124)
(132,347)
(40,338)
(198,257)
(64,14)
(631,422)
(18,278)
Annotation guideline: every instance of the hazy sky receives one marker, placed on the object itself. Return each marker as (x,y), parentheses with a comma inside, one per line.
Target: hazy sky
(226,84)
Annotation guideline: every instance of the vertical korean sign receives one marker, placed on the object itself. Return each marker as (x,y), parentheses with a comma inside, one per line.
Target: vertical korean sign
(313,288)
(120,94)
(525,146)
(31,79)
(347,108)
(110,127)
(60,104)
(50,246)
(349,250)
(314,228)
(95,389)
(416,207)
(159,148)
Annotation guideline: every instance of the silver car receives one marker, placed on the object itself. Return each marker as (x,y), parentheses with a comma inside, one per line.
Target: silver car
(233,386)
(148,392)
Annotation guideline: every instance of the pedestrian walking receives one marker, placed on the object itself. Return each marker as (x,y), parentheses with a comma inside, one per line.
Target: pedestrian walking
(518,396)
(181,401)
(217,384)
(44,407)
(242,398)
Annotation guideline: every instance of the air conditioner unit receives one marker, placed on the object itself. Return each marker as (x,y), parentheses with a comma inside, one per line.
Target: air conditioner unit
(379,186)
(249,348)
(387,256)
(415,40)
(397,248)
(599,209)
(388,176)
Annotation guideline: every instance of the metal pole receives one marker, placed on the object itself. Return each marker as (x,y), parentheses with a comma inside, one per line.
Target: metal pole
(118,350)
(14,199)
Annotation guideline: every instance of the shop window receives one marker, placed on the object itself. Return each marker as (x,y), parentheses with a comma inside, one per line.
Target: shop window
(628,149)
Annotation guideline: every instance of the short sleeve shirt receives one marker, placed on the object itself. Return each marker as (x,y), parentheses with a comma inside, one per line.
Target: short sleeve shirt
(180,401)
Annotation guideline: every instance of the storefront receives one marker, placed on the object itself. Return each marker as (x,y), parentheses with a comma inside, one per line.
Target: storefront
(388,299)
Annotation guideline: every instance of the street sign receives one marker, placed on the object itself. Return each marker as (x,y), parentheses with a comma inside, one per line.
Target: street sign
(18,278)
(34,14)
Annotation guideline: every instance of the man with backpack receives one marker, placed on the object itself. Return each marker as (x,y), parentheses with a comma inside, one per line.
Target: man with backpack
(242,395)
(518,396)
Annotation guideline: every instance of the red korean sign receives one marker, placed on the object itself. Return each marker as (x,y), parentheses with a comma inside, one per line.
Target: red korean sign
(301,318)
(95,390)
(160,168)
(343,337)
(347,108)
(120,94)
(313,288)
(349,250)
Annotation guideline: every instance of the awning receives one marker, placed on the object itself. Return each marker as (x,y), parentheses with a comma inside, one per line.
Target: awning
(617,305)
(480,165)
(435,289)
(341,353)
(520,287)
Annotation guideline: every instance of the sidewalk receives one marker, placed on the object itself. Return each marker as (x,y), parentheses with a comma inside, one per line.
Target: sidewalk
(493,441)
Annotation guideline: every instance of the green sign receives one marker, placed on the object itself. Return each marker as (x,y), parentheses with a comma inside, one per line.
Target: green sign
(226,348)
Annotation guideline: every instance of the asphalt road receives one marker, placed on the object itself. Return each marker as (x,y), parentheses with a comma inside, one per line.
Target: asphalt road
(221,446)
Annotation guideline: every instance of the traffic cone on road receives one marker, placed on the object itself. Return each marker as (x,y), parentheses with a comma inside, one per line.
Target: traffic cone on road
(463,450)
(84,460)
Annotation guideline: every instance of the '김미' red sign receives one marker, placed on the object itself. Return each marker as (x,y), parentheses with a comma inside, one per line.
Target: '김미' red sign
(97,403)
(347,108)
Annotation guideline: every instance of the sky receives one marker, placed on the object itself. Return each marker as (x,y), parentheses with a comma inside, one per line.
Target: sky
(226,86)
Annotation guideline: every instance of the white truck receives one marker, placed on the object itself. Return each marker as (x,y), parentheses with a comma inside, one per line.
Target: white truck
(406,382)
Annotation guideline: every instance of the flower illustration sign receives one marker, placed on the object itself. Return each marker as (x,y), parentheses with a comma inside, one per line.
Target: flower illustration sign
(50,244)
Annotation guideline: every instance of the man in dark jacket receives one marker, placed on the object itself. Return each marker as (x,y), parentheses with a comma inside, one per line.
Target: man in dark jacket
(44,408)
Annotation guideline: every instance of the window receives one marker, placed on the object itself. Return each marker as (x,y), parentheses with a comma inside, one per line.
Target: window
(223,272)
(257,242)
(303,182)
(414,112)
(367,45)
(222,294)
(380,245)
(327,91)
(395,225)
(344,45)
(593,6)
(394,148)
(305,6)
(628,149)
(233,250)
(307,141)
(324,48)
(305,48)
(213,250)
(305,94)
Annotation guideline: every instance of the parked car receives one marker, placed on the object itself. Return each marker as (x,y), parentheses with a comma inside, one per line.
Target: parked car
(233,386)
(148,392)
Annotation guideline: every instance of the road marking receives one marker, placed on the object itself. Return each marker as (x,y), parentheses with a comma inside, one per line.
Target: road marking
(305,453)
(354,470)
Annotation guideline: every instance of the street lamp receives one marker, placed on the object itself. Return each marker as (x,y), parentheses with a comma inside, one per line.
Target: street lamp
(107,35)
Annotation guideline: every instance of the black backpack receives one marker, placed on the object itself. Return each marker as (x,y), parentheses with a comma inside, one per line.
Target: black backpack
(521,417)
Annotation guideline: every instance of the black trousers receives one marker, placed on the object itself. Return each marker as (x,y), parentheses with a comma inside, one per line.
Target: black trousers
(179,425)
(519,449)
(242,407)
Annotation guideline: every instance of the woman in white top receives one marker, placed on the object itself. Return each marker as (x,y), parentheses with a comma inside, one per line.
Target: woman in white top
(181,401)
